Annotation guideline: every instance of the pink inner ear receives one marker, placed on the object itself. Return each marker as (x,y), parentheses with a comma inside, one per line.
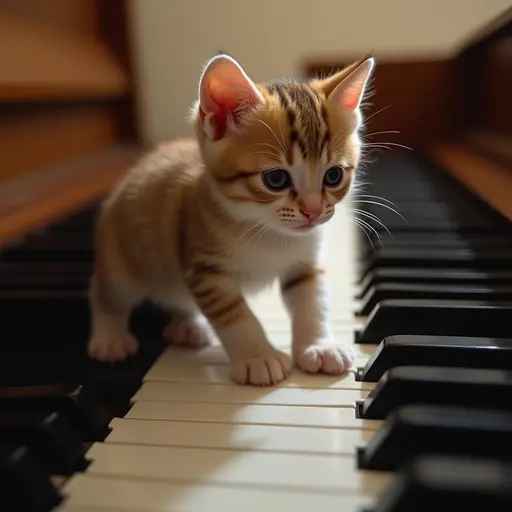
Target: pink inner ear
(350,91)
(352,96)
(224,89)
(220,102)
(226,98)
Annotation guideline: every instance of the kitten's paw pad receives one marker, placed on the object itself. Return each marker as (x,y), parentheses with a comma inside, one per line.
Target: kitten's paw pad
(332,359)
(264,370)
(111,349)
(186,332)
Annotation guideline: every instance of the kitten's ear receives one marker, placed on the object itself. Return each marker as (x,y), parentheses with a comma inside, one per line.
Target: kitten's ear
(346,88)
(225,94)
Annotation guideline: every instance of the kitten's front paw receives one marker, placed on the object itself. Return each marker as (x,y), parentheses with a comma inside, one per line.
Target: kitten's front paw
(263,370)
(330,359)
(189,332)
(109,348)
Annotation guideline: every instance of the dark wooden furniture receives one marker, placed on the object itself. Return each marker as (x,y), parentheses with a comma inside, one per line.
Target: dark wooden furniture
(68,126)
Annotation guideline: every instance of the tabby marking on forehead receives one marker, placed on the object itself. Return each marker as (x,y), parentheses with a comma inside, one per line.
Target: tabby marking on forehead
(306,115)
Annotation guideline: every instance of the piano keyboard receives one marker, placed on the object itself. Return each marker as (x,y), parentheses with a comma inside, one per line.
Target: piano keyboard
(193,440)
(205,443)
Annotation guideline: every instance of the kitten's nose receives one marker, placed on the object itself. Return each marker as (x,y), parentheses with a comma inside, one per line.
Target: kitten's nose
(310,214)
(310,207)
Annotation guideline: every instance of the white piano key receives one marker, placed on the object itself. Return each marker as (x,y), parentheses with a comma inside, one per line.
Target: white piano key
(218,393)
(342,324)
(259,438)
(216,355)
(92,492)
(168,370)
(299,416)
(229,467)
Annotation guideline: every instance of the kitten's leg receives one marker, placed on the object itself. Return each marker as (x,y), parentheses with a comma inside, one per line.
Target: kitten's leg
(253,359)
(186,329)
(110,309)
(314,347)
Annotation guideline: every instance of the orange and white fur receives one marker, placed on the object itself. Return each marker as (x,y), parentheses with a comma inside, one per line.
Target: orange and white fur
(269,161)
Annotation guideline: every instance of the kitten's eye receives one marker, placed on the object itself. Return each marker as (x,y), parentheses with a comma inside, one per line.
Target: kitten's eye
(333,176)
(277,179)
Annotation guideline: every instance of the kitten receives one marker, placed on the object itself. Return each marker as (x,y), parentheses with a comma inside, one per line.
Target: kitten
(269,161)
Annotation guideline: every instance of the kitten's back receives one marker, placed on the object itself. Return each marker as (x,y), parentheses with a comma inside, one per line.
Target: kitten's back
(138,231)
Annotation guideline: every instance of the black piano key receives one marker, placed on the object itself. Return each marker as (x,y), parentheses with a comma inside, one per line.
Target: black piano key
(416,240)
(412,431)
(24,483)
(437,318)
(63,315)
(383,291)
(446,277)
(440,351)
(52,440)
(404,385)
(53,314)
(429,482)
(426,218)
(74,403)
(439,258)
(22,275)
(51,248)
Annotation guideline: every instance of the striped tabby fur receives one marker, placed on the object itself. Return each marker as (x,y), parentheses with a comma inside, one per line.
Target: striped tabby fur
(200,223)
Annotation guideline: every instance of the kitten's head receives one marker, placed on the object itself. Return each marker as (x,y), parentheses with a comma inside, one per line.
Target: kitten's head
(285,152)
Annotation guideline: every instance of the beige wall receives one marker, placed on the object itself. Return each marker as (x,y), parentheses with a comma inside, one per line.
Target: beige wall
(173,38)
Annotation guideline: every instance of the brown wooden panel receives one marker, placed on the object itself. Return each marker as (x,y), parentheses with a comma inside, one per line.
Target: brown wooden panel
(416,98)
(114,28)
(496,92)
(483,76)
(33,139)
(42,62)
(77,16)
(487,179)
(42,198)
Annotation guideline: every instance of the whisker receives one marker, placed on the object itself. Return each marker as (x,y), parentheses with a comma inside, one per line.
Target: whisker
(380,133)
(281,143)
(375,113)
(362,228)
(379,197)
(263,234)
(280,130)
(250,228)
(337,139)
(385,144)
(254,234)
(375,218)
(372,230)
(267,145)
(267,153)
(215,235)
(386,206)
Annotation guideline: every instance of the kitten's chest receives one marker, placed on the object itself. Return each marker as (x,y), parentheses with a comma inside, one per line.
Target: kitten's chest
(260,267)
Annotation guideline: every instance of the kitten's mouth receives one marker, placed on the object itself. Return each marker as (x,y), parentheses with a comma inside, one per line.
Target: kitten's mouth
(307,226)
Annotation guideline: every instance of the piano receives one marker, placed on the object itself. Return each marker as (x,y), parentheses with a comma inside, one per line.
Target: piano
(420,268)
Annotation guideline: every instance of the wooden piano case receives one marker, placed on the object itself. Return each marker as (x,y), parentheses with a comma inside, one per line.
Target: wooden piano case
(458,110)
(68,124)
